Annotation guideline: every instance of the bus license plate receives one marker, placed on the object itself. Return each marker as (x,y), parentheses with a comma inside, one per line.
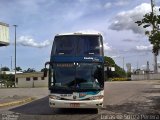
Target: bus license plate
(74,105)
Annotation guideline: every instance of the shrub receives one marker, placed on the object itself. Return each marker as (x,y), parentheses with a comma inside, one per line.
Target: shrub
(119,79)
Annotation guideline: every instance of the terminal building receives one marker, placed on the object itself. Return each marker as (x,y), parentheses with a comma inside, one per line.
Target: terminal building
(31,80)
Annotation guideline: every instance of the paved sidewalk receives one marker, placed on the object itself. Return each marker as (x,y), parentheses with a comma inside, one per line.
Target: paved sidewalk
(17,96)
(15,100)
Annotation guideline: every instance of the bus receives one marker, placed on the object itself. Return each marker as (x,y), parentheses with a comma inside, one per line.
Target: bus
(76,71)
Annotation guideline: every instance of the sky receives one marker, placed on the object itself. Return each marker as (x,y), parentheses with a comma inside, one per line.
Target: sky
(40,20)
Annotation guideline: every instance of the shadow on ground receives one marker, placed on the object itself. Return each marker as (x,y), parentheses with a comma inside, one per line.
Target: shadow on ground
(151,106)
(41,107)
(132,108)
(152,90)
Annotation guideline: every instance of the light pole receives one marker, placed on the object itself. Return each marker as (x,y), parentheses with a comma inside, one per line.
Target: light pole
(11,63)
(123,62)
(15,26)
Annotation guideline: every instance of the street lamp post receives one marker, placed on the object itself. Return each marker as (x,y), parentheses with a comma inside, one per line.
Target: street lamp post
(11,63)
(15,26)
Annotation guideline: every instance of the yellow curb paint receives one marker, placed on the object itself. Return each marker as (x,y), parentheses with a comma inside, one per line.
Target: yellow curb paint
(17,102)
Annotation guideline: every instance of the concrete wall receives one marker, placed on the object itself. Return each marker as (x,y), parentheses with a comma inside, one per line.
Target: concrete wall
(146,77)
(22,82)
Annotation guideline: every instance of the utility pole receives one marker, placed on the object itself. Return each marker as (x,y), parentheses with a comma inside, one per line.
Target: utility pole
(155,57)
(137,65)
(11,63)
(147,69)
(123,63)
(15,26)
(1,67)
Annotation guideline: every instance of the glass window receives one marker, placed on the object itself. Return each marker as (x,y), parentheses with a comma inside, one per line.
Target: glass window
(89,45)
(35,78)
(64,45)
(89,76)
(28,79)
(83,76)
(64,74)
(79,45)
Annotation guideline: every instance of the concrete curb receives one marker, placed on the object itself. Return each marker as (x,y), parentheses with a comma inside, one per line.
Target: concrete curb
(18,102)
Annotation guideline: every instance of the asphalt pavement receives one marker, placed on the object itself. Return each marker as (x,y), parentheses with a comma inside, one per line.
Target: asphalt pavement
(123,100)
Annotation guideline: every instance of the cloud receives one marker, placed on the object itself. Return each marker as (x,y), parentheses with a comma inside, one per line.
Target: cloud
(143,66)
(144,48)
(116,56)
(89,31)
(116,3)
(129,40)
(107,47)
(121,2)
(28,41)
(126,20)
(108,5)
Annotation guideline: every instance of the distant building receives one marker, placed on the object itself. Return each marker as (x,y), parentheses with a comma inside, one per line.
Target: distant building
(139,71)
(128,65)
(4,34)
(109,68)
(31,80)
(10,72)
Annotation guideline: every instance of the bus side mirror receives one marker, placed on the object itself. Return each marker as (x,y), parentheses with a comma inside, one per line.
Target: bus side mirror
(45,69)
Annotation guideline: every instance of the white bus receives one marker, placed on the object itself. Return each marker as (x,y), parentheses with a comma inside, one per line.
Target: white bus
(76,71)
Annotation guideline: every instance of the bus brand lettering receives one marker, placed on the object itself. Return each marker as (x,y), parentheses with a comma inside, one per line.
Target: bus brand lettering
(88,58)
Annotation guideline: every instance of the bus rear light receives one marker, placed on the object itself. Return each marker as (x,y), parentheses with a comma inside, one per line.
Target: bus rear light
(96,97)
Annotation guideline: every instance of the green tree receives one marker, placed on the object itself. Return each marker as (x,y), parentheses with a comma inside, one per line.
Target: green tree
(7,80)
(42,70)
(5,69)
(109,61)
(119,72)
(152,21)
(18,69)
(29,70)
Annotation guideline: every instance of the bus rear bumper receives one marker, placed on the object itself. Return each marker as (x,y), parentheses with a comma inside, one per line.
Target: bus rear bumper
(75,104)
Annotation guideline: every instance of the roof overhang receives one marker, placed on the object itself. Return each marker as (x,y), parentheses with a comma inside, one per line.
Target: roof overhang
(4,34)
(3,44)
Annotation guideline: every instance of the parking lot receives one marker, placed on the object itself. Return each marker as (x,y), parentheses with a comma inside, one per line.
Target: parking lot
(132,98)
